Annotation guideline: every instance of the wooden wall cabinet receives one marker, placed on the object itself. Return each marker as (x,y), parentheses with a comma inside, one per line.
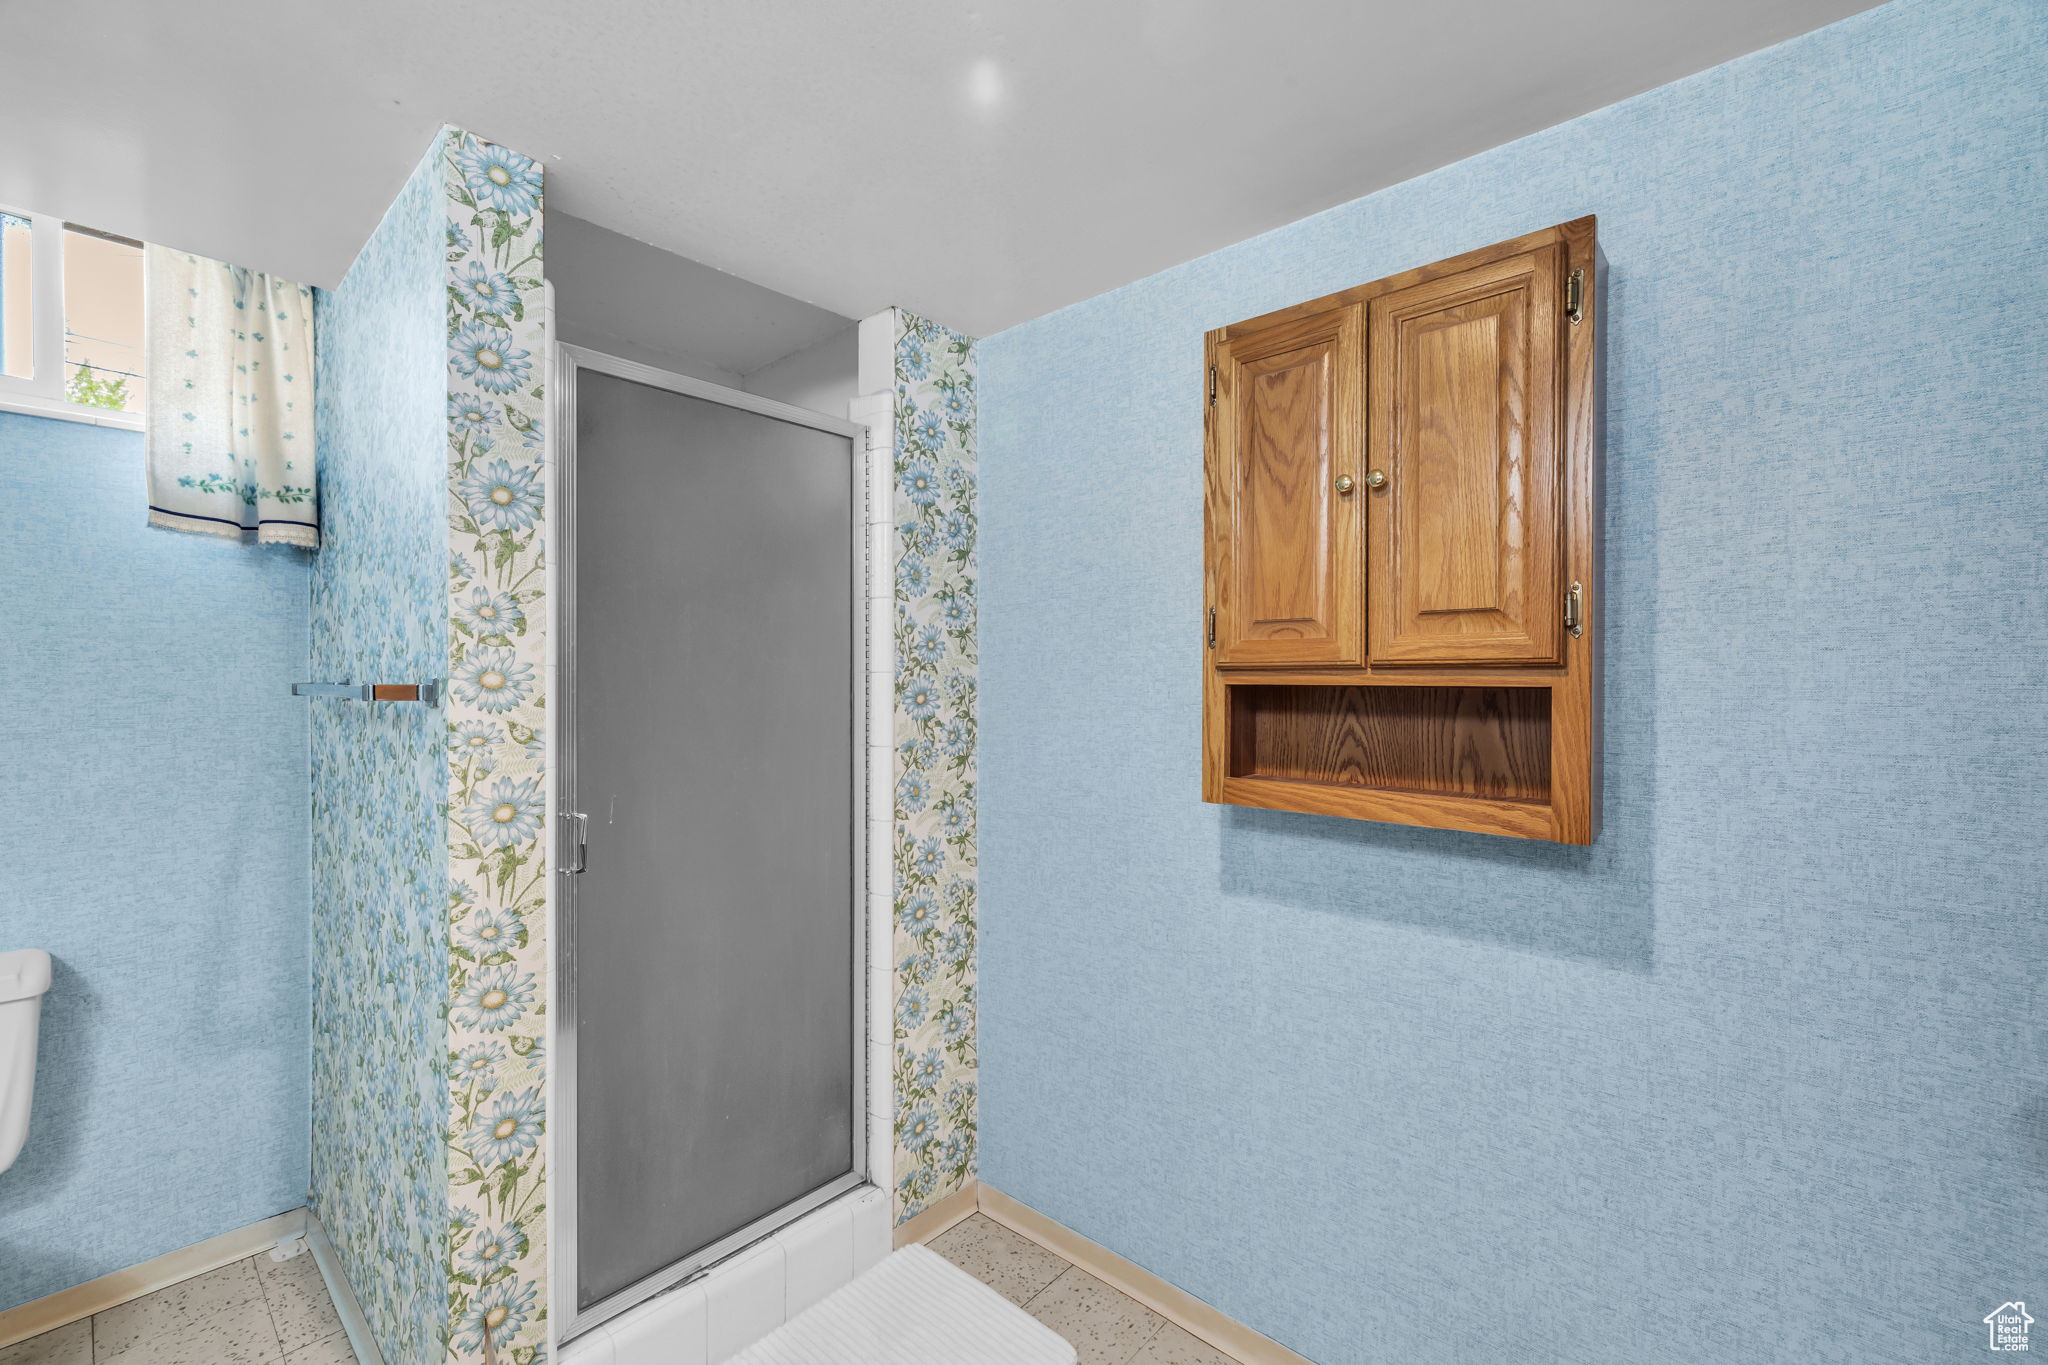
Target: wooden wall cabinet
(1401,485)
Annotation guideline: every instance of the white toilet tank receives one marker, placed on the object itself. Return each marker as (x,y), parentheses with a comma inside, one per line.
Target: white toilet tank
(24,977)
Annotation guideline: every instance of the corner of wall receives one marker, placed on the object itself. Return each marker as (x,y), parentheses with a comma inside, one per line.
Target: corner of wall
(379,1163)
(496,778)
(430,876)
(935,678)
(877,352)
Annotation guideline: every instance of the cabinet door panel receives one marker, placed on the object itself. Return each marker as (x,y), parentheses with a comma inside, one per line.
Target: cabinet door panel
(1289,581)
(1465,536)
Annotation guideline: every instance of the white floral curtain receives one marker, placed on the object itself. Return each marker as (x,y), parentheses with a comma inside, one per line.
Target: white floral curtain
(230,411)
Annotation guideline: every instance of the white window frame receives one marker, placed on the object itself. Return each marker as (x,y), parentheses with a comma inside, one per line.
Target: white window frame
(42,394)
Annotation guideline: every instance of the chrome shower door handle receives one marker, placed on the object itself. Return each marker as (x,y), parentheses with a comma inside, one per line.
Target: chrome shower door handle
(581,823)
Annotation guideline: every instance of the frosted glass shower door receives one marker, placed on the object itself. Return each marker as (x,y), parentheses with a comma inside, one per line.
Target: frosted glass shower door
(711,965)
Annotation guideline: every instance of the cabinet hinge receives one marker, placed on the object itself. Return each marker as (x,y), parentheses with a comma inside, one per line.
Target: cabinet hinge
(1575,611)
(1575,297)
(1212,386)
(1212,627)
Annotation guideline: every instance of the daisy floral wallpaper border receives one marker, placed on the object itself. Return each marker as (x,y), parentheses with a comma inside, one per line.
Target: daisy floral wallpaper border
(496,732)
(937,670)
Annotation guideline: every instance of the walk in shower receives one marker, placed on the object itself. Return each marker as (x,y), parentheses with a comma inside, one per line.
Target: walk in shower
(710,1084)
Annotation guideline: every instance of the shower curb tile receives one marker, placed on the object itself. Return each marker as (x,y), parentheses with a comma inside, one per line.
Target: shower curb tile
(1104,1325)
(1013,1265)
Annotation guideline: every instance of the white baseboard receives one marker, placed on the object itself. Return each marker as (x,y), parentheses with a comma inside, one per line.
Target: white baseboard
(360,1339)
(110,1291)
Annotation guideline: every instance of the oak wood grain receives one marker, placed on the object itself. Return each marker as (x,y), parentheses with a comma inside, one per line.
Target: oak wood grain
(1513,819)
(1465,536)
(1339,742)
(1447,741)
(1388,284)
(1288,422)
(1575,734)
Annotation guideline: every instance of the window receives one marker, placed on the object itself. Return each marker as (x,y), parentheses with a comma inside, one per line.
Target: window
(70,317)
(17,280)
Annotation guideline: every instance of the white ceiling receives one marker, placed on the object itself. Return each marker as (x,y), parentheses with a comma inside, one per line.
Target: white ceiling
(980,161)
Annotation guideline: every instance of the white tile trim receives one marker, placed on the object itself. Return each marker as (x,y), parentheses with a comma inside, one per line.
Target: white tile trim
(817,1256)
(561,1304)
(732,1306)
(877,411)
(745,1299)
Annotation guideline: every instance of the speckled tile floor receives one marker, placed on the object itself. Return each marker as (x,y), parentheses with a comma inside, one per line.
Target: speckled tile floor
(265,1312)
(253,1312)
(1106,1326)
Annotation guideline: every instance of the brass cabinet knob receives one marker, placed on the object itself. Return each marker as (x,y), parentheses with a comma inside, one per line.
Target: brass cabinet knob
(1375,479)
(1344,484)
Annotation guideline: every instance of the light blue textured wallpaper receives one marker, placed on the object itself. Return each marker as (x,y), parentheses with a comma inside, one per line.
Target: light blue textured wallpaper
(380,868)
(1760,1076)
(153,785)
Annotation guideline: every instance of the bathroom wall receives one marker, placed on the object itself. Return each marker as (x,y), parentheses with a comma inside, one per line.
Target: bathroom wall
(155,843)
(496,777)
(627,298)
(1759,1075)
(824,376)
(380,879)
(936,677)
(430,884)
